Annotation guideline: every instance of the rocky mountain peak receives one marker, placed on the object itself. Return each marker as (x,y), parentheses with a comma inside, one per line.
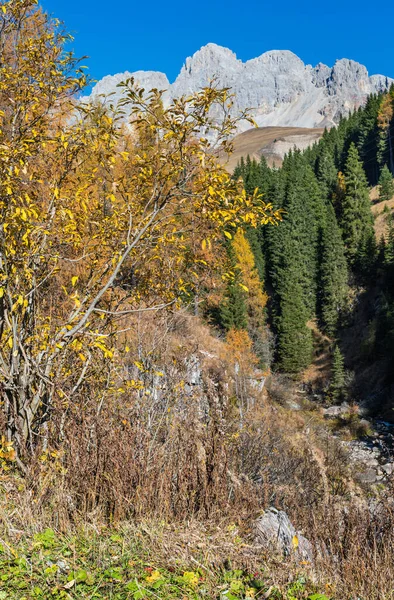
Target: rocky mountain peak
(277,86)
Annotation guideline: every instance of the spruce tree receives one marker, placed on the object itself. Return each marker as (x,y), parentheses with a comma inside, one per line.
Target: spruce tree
(367,258)
(252,179)
(265,176)
(386,184)
(237,173)
(356,215)
(294,338)
(304,215)
(368,136)
(333,276)
(254,237)
(389,247)
(233,313)
(337,383)
(292,250)
(326,172)
(233,309)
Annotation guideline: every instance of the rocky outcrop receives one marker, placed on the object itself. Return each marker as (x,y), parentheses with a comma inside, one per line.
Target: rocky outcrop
(275,531)
(277,86)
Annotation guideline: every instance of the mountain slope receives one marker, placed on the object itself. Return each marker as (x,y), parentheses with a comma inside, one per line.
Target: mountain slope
(271,142)
(277,86)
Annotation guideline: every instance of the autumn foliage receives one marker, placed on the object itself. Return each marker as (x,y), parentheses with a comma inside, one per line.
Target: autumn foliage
(100,219)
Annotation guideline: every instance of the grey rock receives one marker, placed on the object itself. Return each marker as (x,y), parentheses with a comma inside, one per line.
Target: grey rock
(368,476)
(63,566)
(194,373)
(336,411)
(293,405)
(388,468)
(275,531)
(277,86)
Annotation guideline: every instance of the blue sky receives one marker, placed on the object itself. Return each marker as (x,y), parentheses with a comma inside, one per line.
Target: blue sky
(128,35)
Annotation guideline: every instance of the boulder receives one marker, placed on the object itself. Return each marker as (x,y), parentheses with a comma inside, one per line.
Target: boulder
(275,531)
(336,411)
(388,468)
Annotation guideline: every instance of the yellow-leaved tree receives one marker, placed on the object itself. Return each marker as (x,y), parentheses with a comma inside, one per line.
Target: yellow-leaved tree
(255,297)
(100,218)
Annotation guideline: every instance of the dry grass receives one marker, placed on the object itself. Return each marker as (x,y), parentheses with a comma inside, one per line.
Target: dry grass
(379,211)
(255,142)
(186,471)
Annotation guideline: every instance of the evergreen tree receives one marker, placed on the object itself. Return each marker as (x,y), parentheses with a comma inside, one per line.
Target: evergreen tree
(385,122)
(305,214)
(252,179)
(386,184)
(239,170)
(367,258)
(233,309)
(381,252)
(242,165)
(368,136)
(333,284)
(389,247)
(356,216)
(254,237)
(292,250)
(265,176)
(337,383)
(237,173)
(294,345)
(326,172)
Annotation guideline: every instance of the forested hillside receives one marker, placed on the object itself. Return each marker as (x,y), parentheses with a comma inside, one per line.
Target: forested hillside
(325,266)
(160,323)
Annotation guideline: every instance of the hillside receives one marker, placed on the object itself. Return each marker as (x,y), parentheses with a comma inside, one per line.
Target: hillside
(380,210)
(271,142)
(196,366)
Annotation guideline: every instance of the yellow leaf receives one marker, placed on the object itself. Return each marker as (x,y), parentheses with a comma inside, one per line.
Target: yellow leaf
(153,577)
(74,280)
(228,235)
(107,353)
(241,285)
(82,357)
(294,541)
(1,292)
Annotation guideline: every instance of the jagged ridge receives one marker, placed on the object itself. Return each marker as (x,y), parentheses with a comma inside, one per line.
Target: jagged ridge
(277,86)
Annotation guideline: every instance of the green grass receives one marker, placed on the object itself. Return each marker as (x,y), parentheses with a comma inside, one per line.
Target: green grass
(113,565)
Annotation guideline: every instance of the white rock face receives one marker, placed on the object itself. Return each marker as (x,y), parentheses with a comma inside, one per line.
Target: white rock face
(108,86)
(277,87)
